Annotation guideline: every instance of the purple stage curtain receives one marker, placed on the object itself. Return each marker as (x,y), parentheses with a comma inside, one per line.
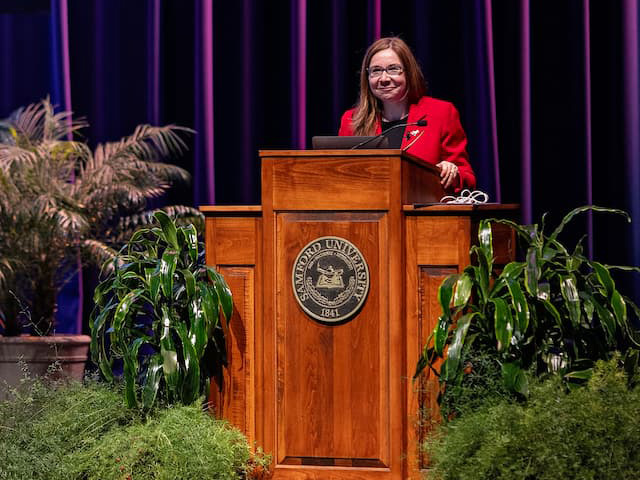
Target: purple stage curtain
(548,92)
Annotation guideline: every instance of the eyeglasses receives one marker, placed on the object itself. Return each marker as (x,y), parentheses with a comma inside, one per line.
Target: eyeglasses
(392,70)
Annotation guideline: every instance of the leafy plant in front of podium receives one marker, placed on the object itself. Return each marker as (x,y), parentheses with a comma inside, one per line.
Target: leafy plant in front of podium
(556,312)
(157,312)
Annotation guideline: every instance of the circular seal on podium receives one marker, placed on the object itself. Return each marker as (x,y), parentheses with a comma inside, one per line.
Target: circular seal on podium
(330,279)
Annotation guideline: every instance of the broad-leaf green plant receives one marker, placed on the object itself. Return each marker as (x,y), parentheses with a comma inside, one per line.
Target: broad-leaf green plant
(555,312)
(157,312)
(63,205)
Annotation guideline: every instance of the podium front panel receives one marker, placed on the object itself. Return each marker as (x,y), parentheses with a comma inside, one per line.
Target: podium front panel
(333,404)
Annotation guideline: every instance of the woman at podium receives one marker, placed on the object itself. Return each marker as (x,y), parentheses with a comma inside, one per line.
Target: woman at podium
(392,99)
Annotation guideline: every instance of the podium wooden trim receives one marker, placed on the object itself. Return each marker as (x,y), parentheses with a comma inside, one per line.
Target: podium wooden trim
(337,401)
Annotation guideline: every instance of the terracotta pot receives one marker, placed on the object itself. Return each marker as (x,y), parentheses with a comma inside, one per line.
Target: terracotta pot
(38,353)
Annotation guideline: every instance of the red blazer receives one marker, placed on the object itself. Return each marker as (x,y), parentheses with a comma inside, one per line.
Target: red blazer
(441,139)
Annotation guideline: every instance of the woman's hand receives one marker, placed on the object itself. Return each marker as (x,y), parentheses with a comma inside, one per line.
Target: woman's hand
(448,173)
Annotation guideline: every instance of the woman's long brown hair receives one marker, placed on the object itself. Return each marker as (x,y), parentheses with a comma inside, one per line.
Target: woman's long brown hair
(369,107)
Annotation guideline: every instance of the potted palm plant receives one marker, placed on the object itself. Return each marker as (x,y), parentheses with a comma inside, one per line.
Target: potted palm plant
(63,205)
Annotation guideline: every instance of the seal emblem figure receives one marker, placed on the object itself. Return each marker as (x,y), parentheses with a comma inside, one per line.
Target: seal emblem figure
(330,279)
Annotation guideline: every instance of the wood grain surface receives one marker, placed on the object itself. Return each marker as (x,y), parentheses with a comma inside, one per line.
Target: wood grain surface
(337,401)
(333,379)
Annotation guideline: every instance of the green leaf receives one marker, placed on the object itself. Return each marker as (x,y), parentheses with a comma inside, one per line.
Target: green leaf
(579,374)
(569,292)
(482,272)
(209,304)
(440,334)
(455,349)
(198,326)
(567,218)
(444,372)
(544,291)
(170,366)
(445,293)
(130,369)
(167,269)
(152,381)
(510,273)
(462,291)
(168,229)
(549,252)
(606,318)
(619,308)
(189,282)
(515,379)
(485,240)
(191,237)
(421,365)
(574,262)
(520,304)
(152,276)
(528,233)
(223,291)
(426,357)
(124,308)
(604,277)
(191,379)
(98,346)
(532,272)
(503,323)
(618,304)
(625,268)
(632,333)
(130,275)
(137,236)
(550,307)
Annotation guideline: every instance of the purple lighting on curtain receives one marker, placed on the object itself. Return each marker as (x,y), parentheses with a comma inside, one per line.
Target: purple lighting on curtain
(204,163)
(63,11)
(72,295)
(66,69)
(377,19)
(299,54)
(587,103)
(5,61)
(632,119)
(153,75)
(98,97)
(488,13)
(525,103)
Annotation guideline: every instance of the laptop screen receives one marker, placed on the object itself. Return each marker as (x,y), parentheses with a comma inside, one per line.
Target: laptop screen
(347,142)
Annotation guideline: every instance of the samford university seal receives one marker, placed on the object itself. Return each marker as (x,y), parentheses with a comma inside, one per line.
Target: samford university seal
(330,279)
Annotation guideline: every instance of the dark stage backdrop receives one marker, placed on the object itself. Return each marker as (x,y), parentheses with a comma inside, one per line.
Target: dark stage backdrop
(548,91)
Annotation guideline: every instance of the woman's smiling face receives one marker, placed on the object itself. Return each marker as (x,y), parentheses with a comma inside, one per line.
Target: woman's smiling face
(387,88)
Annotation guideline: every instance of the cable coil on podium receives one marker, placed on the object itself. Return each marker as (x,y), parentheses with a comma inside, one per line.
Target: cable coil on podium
(466,196)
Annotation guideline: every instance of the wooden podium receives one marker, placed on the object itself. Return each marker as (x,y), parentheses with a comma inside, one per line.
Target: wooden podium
(335,400)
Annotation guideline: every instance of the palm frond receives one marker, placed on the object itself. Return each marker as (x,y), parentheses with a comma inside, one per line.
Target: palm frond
(38,122)
(11,155)
(98,252)
(29,123)
(61,125)
(148,143)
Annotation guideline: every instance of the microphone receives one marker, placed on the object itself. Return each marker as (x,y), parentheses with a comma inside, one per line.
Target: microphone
(420,123)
